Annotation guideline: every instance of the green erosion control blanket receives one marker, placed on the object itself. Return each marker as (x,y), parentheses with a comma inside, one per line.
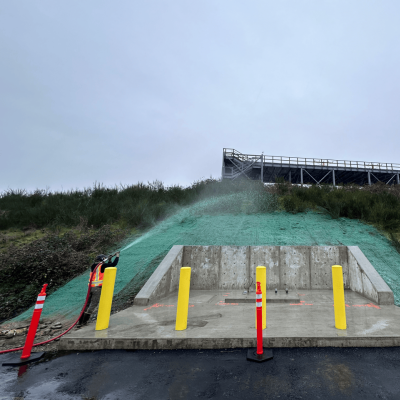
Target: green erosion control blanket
(231,220)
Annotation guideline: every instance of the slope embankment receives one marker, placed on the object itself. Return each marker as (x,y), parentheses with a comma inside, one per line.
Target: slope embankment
(234,220)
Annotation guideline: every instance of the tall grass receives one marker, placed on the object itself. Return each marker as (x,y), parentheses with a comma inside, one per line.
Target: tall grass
(57,258)
(378,204)
(132,206)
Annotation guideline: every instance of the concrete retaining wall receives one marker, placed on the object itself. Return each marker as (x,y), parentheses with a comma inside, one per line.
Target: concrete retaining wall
(164,280)
(365,279)
(292,267)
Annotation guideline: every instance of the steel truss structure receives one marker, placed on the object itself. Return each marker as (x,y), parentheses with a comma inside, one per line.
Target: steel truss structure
(306,170)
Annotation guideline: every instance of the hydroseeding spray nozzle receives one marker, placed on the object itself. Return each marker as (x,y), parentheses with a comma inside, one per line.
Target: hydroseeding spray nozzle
(108,258)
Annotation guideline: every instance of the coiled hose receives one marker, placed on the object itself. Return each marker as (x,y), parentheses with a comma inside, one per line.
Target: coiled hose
(62,334)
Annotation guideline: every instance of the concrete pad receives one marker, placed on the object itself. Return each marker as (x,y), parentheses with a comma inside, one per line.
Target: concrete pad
(214,323)
(272,297)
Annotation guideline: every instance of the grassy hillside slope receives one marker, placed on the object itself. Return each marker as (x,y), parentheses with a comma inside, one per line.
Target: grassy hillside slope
(208,213)
(51,238)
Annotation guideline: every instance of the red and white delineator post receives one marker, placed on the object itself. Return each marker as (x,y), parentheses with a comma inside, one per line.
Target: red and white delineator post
(37,312)
(259,354)
(27,356)
(259,319)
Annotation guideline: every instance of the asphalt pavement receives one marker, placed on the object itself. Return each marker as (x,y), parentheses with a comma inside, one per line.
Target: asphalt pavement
(298,373)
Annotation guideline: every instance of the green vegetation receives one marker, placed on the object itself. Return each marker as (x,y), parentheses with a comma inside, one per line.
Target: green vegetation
(378,204)
(131,206)
(52,237)
(54,259)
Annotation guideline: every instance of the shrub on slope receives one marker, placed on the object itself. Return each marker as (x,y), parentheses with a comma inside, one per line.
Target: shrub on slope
(56,258)
(52,259)
(377,204)
(137,205)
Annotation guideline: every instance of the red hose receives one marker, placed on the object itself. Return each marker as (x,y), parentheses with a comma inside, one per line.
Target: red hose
(62,334)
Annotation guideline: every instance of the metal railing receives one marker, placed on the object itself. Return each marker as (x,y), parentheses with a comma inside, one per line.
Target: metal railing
(315,162)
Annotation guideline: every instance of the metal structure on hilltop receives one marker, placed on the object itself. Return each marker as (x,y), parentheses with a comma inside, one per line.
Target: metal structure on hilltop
(301,170)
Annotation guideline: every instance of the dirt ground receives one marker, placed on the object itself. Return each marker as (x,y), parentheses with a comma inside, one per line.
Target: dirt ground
(13,335)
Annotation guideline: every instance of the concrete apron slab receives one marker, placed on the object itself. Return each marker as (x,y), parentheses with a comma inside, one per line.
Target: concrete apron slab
(238,296)
(214,323)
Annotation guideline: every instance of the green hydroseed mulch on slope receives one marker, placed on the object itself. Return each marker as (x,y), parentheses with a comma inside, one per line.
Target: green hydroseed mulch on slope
(232,220)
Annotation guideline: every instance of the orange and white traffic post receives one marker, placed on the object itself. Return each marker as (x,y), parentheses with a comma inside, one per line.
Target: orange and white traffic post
(27,356)
(259,354)
(37,312)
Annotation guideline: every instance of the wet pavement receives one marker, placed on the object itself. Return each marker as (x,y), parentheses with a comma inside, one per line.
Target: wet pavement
(299,373)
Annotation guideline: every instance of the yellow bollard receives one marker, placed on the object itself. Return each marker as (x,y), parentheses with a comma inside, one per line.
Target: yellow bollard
(106,297)
(338,297)
(183,299)
(261,276)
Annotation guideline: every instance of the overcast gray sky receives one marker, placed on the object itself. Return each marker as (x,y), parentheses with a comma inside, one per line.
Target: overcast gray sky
(127,91)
